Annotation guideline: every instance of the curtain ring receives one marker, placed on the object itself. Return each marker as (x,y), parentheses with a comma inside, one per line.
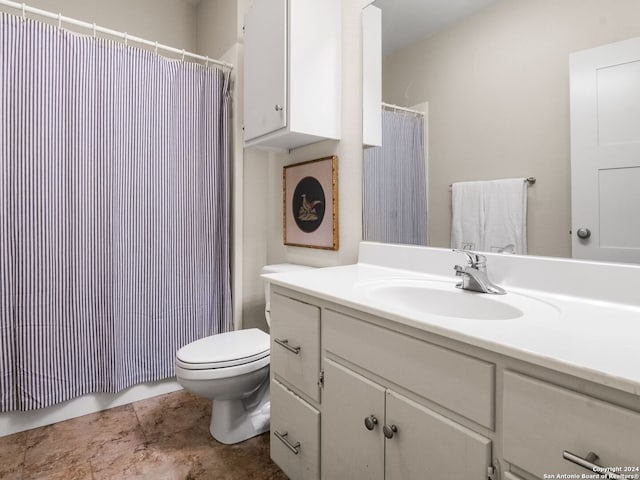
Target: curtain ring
(126,38)
(183,54)
(24,11)
(59,21)
(94,29)
(156,48)
(206,65)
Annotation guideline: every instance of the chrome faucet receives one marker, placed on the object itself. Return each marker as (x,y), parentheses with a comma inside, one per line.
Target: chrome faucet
(474,274)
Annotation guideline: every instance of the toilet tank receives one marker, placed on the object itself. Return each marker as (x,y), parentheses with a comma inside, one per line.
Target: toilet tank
(277,268)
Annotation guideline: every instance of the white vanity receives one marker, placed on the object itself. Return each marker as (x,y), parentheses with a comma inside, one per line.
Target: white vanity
(384,370)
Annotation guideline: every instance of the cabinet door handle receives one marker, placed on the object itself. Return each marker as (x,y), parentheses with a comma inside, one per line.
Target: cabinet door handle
(279,108)
(370,422)
(588,463)
(295,448)
(389,430)
(285,344)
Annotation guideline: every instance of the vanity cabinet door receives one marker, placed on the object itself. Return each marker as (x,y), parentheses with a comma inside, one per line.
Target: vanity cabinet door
(408,442)
(295,344)
(349,449)
(430,446)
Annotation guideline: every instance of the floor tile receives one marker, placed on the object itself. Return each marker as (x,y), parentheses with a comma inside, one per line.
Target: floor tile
(167,414)
(75,442)
(163,438)
(142,463)
(246,460)
(75,472)
(12,450)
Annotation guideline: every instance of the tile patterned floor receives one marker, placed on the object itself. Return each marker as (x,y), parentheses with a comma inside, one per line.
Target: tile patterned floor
(162,438)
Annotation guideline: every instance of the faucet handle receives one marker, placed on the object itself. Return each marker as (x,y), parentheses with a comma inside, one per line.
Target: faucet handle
(476,260)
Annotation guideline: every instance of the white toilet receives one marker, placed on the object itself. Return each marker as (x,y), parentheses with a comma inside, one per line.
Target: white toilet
(232,369)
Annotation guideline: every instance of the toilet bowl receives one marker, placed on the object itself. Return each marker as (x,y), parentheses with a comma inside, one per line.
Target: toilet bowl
(232,370)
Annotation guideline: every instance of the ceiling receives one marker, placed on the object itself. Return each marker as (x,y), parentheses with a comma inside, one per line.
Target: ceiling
(406,21)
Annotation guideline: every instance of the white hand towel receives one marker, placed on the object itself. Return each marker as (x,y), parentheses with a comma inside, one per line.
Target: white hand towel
(468,215)
(505,226)
(490,216)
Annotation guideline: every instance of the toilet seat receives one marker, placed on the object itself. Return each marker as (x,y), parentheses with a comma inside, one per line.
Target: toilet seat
(219,373)
(224,355)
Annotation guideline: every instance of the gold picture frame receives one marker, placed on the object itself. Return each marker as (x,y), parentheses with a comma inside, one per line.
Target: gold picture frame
(310,204)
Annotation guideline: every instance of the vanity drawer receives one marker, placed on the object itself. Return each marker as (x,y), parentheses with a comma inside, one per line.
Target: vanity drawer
(294,421)
(541,421)
(511,476)
(295,343)
(455,381)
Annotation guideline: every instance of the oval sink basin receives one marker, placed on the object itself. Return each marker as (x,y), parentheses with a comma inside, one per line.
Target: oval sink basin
(456,303)
(445,300)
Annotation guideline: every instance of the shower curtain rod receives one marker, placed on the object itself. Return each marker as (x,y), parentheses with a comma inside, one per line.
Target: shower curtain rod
(390,106)
(114,33)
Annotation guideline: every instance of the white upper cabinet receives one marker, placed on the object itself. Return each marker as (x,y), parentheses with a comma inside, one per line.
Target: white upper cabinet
(292,73)
(265,68)
(372,76)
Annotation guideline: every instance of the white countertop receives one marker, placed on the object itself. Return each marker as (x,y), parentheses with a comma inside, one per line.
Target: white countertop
(595,340)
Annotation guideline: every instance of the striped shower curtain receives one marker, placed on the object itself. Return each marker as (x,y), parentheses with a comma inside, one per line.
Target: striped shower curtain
(114,213)
(395,185)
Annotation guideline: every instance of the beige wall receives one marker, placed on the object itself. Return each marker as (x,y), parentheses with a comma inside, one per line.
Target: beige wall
(216,27)
(171,22)
(498,91)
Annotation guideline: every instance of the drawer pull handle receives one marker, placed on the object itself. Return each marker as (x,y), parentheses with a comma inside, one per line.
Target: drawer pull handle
(588,463)
(285,344)
(389,430)
(295,448)
(370,422)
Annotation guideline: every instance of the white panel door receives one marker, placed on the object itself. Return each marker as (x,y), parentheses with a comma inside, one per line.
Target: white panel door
(605,152)
(265,68)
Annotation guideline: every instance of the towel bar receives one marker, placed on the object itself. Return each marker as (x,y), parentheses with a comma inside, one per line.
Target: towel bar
(529,180)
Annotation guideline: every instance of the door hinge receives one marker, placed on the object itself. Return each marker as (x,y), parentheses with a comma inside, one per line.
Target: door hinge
(492,473)
(321,379)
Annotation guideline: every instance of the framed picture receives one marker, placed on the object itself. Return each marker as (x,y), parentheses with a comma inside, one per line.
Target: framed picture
(310,197)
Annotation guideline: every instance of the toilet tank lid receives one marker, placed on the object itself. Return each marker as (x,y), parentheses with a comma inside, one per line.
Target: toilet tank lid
(284,267)
(246,345)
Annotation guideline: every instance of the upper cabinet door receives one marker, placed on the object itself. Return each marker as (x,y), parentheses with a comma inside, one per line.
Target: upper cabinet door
(292,73)
(265,64)
(605,152)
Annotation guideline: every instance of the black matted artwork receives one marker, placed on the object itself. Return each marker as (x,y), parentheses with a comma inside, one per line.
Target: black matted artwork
(311,204)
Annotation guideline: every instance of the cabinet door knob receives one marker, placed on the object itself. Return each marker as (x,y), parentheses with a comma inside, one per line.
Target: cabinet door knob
(370,422)
(389,430)
(583,233)
(279,108)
